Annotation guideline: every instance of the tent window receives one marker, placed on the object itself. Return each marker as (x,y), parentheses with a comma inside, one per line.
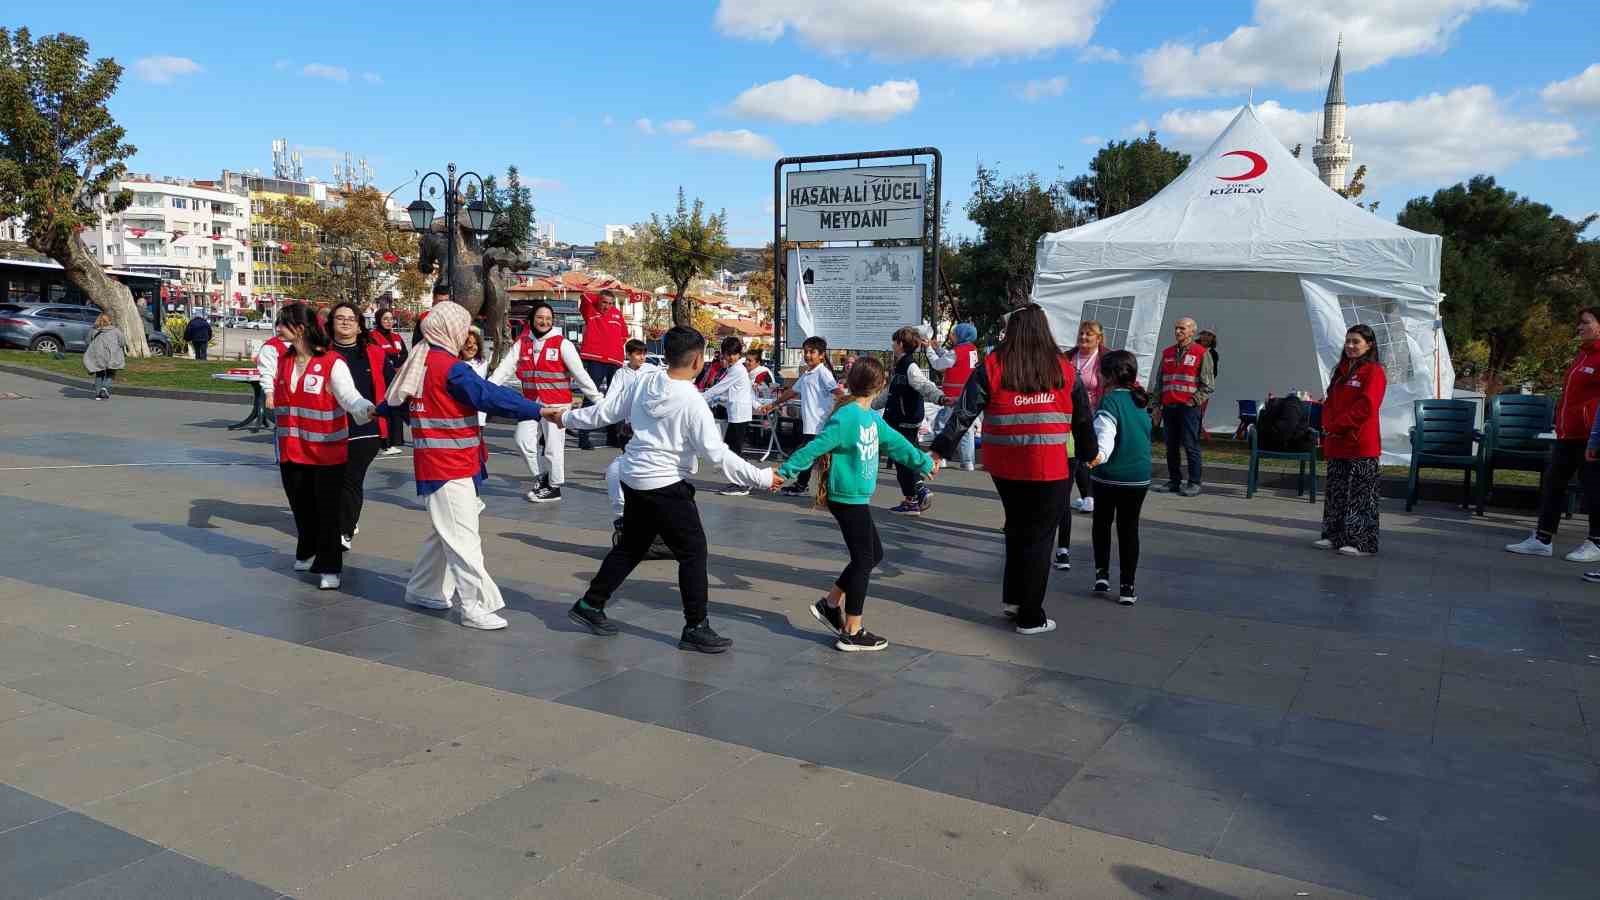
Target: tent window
(1382,315)
(1114,315)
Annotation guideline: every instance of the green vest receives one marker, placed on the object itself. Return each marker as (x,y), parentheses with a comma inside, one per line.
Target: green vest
(1129,462)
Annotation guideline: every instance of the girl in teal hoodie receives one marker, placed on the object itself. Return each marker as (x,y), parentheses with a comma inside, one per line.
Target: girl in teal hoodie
(848,447)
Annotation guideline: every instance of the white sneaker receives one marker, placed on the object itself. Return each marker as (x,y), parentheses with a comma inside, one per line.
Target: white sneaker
(1323,544)
(303,565)
(1077,504)
(734,490)
(1088,504)
(968,467)
(329,583)
(355,531)
(532,496)
(1049,625)
(427,602)
(1351,551)
(1530,547)
(344,541)
(485,622)
(1585,552)
(1063,559)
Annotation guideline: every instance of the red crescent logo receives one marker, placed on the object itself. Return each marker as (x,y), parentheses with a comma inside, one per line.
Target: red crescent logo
(1258,164)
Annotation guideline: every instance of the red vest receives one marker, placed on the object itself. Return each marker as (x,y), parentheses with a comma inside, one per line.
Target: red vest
(1352,413)
(1180,377)
(1580,395)
(1025,435)
(604,334)
(375,356)
(955,377)
(312,428)
(544,377)
(392,344)
(277,342)
(445,439)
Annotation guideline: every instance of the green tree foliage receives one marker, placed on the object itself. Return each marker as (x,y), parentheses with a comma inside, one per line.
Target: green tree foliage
(685,244)
(60,153)
(1505,257)
(343,250)
(1125,174)
(513,226)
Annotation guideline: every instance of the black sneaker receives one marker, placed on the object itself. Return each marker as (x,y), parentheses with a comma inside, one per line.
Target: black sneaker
(831,616)
(862,641)
(924,500)
(593,619)
(1063,559)
(1170,487)
(1191,489)
(735,490)
(545,495)
(701,637)
(1128,595)
(1102,582)
(792,490)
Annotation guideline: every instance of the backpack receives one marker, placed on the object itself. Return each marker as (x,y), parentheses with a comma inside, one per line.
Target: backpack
(1284,425)
(904,406)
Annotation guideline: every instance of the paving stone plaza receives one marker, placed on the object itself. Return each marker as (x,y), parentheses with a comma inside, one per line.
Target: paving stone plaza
(182,716)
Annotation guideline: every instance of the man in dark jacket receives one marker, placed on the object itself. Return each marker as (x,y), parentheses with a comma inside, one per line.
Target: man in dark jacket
(197,334)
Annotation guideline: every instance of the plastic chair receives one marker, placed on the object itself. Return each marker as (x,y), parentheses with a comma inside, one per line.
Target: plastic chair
(1511,428)
(1306,458)
(1247,418)
(1443,438)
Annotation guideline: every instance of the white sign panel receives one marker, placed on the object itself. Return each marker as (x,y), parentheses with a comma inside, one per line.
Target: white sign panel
(866,204)
(853,297)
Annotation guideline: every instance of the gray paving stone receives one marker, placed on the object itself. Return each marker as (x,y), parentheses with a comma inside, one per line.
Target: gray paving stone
(989,677)
(100,770)
(1089,695)
(1543,706)
(1379,707)
(803,682)
(917,704)
(559,816)
(442,862)
(1443,876)
(1040,726)
(830,872)
(639,695)
(1235,684)
(1471,823)
(859,744)
(85,680)
(18,808)
(1469,761)
(695,851)
(1511,729)
(536,674)
(1155,810)
(751,720)
(1211,719)
(167,876)
(1349,852)
(1354,745)
(999,776)
(62,851)
(1287,780)
(332,754)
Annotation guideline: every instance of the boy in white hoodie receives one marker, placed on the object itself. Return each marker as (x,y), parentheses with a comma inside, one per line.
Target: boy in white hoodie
(672,427)
(733,391)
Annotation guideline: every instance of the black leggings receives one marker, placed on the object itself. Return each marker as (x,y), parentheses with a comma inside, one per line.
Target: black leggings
(1033,510)
(1119,503)
(866,551)
(314,493)
(734,437)
(397,429)
(362,451)
(1080,477)
(1566,460)
(803,480)
(910,479)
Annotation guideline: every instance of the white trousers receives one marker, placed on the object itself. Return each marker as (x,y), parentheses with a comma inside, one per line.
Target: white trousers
(614,485)
(555,448)
(451,564)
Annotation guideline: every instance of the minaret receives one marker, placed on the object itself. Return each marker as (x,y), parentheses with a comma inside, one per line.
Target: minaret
(1333,151)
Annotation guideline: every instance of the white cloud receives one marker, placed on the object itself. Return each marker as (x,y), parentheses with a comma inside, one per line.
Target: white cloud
(372,78)
(1289,42)
(947,29)
(742,141)
(645,126)
(1434,137)
(1095,53)
(607,120)
(805,100)
(677,126)
(1091,140)
(1580,93)
(1041,88)
(322,70)
(163,69)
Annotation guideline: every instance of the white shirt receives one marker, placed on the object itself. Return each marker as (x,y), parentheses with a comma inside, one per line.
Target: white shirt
(628,375)
(815,388)
(733,390)
(267,366)
(506,372)
(480,367)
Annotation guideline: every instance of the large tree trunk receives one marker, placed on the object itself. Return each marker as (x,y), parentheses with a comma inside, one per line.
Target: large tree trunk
(682,308)
(111,295)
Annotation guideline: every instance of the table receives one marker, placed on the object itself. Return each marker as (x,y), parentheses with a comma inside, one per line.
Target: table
(257,419)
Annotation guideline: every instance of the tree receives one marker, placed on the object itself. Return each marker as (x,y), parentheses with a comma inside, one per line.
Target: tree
(686,244)
(60,153)
(626,257)
(759,286)
(995,272)
(1125,174)
(513,226)
(1504,257)
(324,242)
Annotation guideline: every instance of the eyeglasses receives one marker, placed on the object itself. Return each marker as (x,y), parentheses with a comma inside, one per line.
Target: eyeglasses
(344,318)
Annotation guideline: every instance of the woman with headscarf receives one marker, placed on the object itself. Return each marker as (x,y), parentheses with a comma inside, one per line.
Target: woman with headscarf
(957,364)
(445,396)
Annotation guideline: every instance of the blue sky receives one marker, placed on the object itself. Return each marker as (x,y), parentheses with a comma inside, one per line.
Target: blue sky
(1439,89)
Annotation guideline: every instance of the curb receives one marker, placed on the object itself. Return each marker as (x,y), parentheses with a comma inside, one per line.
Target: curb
(243,398)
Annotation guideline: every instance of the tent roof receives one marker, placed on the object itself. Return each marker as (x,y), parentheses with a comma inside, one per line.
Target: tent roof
(1246,204)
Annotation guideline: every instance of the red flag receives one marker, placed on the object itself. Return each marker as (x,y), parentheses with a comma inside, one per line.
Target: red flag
(390,258)
(137,232)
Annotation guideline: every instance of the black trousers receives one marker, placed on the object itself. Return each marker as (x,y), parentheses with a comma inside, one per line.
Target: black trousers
(314,495)
(1033,510)
(910,480)
(866,551)
(362,451)
(1566,460)
(397,429)
(199,350)
(601,373)
(734,437)
(1080,477)
(1182,426)
(1120,505)
(671,513)
(803,480)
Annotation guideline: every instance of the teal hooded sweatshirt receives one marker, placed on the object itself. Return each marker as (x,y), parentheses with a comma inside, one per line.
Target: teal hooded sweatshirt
(853,435)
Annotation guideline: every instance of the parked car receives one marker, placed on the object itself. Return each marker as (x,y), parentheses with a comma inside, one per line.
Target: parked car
(54,328)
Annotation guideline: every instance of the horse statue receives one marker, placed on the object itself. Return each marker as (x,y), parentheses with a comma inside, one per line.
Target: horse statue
(480,278)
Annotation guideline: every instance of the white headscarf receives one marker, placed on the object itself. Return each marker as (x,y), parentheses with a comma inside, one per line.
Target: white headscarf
(447,325)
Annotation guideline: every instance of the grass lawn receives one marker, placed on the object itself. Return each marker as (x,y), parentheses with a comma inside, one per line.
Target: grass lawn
(153,372)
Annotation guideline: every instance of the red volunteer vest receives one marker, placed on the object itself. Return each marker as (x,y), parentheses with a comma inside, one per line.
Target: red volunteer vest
(1580,395)
(1180,376)
(392,345)
(543,375)
(1025,435)
(445,439)
(312,428)
(375,356)
(955,377)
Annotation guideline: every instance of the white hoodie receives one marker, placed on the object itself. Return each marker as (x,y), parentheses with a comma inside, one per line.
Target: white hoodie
(733,391)
(672,428)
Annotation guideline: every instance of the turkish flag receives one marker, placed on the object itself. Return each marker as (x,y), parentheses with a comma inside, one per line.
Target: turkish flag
(137,232)
(390,258)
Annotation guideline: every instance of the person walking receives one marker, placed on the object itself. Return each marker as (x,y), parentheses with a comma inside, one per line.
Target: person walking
(848,448)
(957,364)
(1120,468)
(1351,444)
(816,387)
(106,355)
(1085,358)
(314,394)
(197,334)
(387,338)
(735,393)
(365,360)
(605,334)
(1575,418)
(546,366)
(445,397)
(904,411)
(1031,401)
(1185,381)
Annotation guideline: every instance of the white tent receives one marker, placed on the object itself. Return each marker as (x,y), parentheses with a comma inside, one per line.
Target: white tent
(1251,245)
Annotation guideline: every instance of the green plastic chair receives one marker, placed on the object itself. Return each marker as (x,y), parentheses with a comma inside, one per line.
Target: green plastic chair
(1512,424)
(1443,438)
(1306,458)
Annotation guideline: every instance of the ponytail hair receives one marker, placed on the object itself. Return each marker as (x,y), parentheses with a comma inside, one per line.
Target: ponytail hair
(865,379)
(1120,369)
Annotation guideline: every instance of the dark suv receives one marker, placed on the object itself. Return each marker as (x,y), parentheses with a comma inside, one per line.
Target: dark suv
(60,327)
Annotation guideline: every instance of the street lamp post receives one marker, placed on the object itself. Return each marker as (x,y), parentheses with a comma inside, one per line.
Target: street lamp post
(354,268)
(480,214)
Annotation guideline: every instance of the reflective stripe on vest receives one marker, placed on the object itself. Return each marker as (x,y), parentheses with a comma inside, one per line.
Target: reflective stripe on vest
(541,370)
(435,422)
(1025,435)
(306,412)
(1018,440)
(1180,379)
(1032,418)
(312,429)
(316,437)
(444,443)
